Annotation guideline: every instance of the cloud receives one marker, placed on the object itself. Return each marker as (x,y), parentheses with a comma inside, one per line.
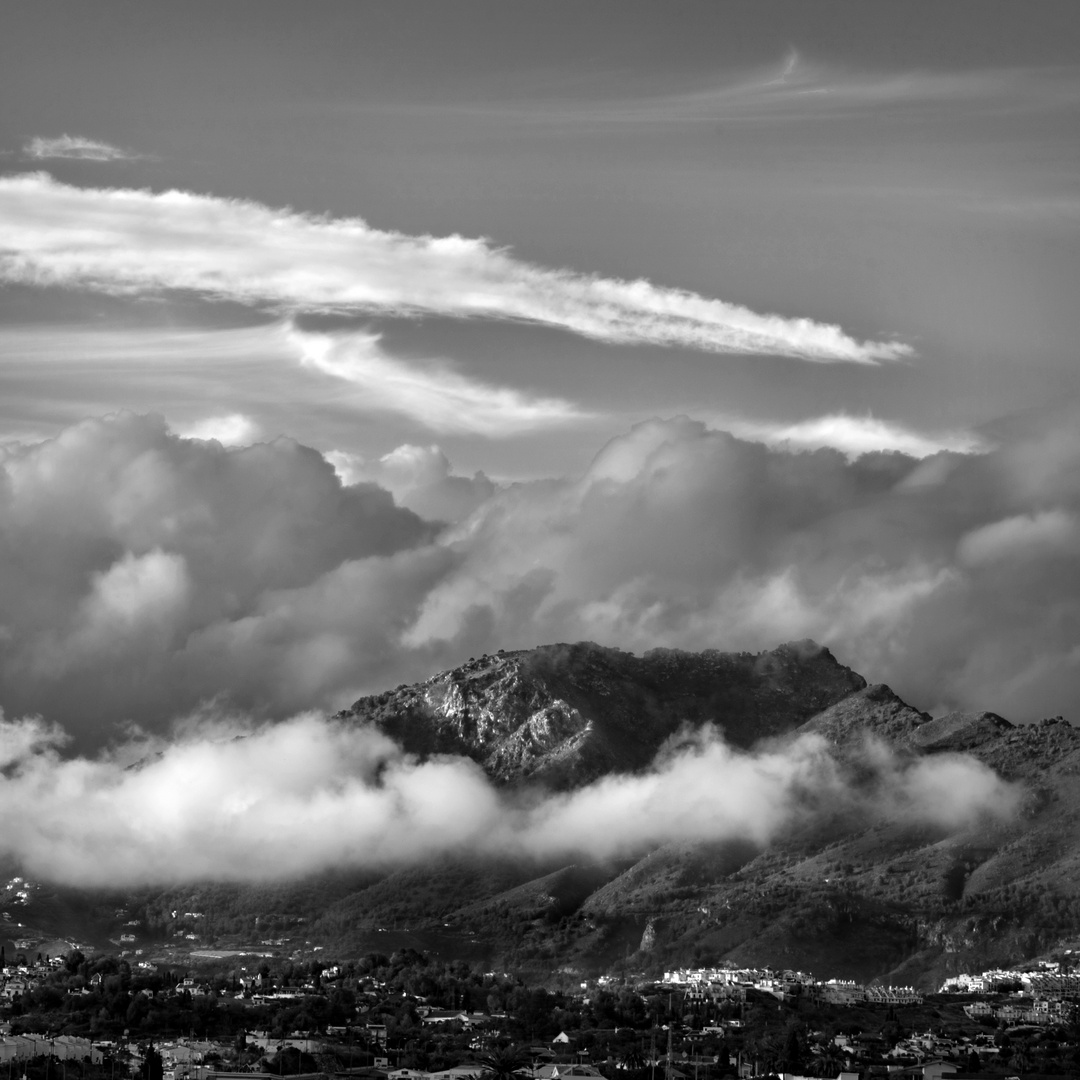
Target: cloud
(307,794)
(143,574)
(689,537)
(420,478)
(1034,536)
(798,89)
(76,148)
(235,429)
(854,436)
(323,378)
(59,235)
(126,608)
(120,542)
(438,397)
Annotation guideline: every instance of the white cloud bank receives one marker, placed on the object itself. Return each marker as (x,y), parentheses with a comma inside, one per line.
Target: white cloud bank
(308,794)
(75,148)
(131,241)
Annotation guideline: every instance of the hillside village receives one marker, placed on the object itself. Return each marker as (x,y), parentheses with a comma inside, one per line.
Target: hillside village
(409,1018)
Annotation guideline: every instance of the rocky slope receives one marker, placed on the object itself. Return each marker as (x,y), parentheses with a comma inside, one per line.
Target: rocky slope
(566,714)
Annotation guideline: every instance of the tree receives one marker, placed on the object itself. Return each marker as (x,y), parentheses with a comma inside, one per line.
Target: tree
(829,1062)
(793,1052)
(152,1068)
(506,1063)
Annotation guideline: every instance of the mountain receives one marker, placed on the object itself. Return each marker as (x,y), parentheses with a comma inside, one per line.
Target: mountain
(567,714)
(838,893)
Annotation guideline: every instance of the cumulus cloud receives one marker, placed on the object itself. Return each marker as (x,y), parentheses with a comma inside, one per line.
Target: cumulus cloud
(76,148)
(57,234)
(121,542)
(142,573)
(686,536)
(306,794)
(233,429)
(420,478)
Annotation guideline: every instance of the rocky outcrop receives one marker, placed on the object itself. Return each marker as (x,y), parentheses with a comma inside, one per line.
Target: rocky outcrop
(873,711)
(566,714)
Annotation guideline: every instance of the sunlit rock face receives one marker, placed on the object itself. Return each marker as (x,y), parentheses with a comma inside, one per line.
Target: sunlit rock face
(566,714)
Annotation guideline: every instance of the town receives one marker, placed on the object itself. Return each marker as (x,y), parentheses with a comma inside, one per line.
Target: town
(409,1016)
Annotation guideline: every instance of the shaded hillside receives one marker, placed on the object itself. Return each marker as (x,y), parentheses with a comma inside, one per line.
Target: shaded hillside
(566,714)
(881,900)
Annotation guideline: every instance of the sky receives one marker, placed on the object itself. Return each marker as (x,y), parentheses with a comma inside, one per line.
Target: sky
(340,342)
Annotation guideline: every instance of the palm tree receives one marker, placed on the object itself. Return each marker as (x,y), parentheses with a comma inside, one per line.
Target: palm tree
(504,1063)
(829,1062)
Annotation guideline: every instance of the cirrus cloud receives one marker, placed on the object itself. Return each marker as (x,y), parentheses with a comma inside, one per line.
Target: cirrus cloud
(76,148)
(854,436)
(441,398)
(96,238)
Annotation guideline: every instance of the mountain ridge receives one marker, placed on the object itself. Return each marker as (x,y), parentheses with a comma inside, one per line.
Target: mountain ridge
(865,898)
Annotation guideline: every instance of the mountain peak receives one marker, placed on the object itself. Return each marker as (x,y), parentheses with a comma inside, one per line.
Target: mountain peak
(567,713)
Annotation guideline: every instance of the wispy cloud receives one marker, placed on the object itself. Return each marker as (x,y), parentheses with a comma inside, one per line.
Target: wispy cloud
(854,436)
(129,241)
(436,396)
(804,89)
(239,369)
(798,88)
(76,148)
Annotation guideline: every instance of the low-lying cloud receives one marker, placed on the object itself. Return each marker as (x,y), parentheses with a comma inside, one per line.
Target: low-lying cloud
(95,238)
(308,794)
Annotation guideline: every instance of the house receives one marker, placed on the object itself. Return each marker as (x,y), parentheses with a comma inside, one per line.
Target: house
(556,1071)
(458,1072)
